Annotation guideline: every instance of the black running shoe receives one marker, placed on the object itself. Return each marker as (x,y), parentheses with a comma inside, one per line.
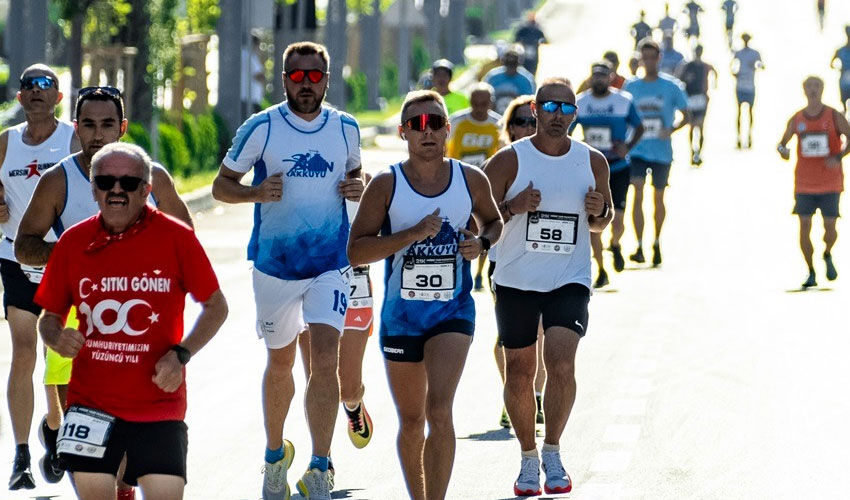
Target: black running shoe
(540,419)
(49,463)
(21,474)
(637,256)
(619,262)
(656,255)
(831,273)
(601,280)
(810,281)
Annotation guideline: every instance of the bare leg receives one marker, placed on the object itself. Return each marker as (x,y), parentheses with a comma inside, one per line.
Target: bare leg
(660,212)
(499,354)
(521,367)
(806,246)
(559,354)
(278,390)
(322,393)
(540,377)
(618,227)
(596,245)
(408,385)
(352,347)
(637,208)
(161,487)
(19,392)
(830,234)
(94,486)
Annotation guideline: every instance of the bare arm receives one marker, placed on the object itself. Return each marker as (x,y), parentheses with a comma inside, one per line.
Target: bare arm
(843,129)
(484,211)
(501,170)
(4,208)
(65,341)
(786,136)
(686,118)
(167,199)
(596,199)
(227,188)
(42,211)
(352,187)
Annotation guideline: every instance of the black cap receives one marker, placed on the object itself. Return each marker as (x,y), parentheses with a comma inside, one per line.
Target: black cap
(443,64)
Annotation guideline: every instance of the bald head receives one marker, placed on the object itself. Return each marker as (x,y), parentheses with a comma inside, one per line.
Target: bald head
(556,89)
(39,70)
(125,150)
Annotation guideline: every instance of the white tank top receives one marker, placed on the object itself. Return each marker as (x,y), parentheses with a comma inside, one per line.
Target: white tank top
(20,172)
(547,249)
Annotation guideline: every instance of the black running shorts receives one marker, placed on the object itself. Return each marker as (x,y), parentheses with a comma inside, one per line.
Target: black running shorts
(808,204)
(18,290)
(518,312)
(411,348)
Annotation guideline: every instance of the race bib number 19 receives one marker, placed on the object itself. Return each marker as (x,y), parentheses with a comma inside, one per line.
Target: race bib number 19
(428,278)
(551,232)
(85,432)
(361,288)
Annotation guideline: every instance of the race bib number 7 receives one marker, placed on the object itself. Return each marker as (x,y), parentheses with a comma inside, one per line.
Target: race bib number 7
(428,277)
(361,288)
(551,232)
(85,432)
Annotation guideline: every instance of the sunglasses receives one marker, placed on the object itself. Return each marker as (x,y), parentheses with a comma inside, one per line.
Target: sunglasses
(529,121)
(418,123)
(297,75)
(103,90)
(107,182)
(42,82)
(553,106)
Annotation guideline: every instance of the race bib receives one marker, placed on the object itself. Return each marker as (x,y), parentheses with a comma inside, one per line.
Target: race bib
(361,288)
(652,128)
(475,159)
(697,102)
(428,277)
(34,274)
(814,145)
(599,138)
(551,232)
(85,432)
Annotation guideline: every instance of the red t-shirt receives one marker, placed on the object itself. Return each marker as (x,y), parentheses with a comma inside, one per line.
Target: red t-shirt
(817,140)
(130,296)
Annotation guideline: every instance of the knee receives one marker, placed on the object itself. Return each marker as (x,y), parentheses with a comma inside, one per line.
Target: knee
(519,372)
(350,391)
(279,365)
(410,422)
(439,414)
(24,352)
(561,370)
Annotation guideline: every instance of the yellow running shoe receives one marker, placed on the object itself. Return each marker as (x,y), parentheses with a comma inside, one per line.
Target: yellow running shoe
(275,486)
(359,425)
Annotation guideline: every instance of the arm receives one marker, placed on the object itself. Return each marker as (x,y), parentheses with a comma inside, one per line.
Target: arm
(686,118)
(501,171)
(832,61)
(167,199)
(227,188)
(485,213)
(352,187)
(783,150)
(597,199)
(65,341)
(843,129)
(41,213)
(4,208)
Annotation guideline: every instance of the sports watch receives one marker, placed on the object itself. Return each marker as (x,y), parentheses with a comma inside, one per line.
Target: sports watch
(183,354)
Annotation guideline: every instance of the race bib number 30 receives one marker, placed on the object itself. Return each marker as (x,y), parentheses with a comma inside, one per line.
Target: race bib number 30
(652,128)
(85,432)
(598,137)
(551,232)
(428,277)
(361,288)
(814,145)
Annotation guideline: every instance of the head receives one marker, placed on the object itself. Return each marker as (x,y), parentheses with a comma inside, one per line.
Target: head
(746,39)
(124,166)
(512,57)
(600,77)
(100,118)
(39,90)
(650,55)
(519,121)
(698,52)
(554,123)
(667,40)
(642,15)
(424,124)
(441,75)
(813,88)
(481,99)
(667,8)
(847,32)
(305,76)
(612,58)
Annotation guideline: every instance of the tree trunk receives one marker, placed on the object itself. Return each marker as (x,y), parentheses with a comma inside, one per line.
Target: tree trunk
(336,39)
(370,52)
(229,31)
(75,58)
(403,48)
(456,35)
(137,34)
(26,37)
(278,93)
(431,9)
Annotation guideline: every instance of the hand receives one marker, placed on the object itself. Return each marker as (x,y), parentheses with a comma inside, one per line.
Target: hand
(784,152)
(270,189)
(621,149)
(69,343)
(470,246)
(526,201)
(833,162)
(594,203)
(169,372)
(429,226)
(665,133)
(351,189)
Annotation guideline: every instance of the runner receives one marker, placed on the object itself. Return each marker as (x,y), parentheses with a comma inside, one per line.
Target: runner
(530,36)
(842,55)
(608,117)
(671,59)
(744,66)
(544,270)
(819,175)
(306,159)
(641,29)
(693,9)
(62,198)
(668,24)
(428,314)
(657,97)
(821,13)
(730,7)
(617,80)
(441,76)
(134,262)
(26,150)
(509,80)
(694,75)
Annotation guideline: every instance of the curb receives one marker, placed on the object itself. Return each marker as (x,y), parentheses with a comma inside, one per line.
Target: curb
(200,199)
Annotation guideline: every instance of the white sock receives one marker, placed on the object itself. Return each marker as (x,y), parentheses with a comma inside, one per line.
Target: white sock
(550,447)
(349,408)
(530,453)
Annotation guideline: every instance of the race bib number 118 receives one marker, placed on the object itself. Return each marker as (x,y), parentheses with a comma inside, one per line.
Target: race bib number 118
(85,432)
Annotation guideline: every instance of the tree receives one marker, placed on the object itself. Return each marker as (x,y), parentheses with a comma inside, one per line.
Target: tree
(456,35)
(137,33)
(370,50)
(229,31)
(336,39)
(26,37)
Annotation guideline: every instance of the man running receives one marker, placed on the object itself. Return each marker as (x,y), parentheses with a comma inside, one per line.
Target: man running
(693,9)
(509,80)
(26,150)
(127,271)
(428,315)
(530,36)
(306,160)
(694,75)
(842,55)
(617,80)
(730,7)
(62,198)
(607,117)
(668,24)
(818,175)
(641,29)
(671,59)
(544,270)
(744,65)
(657,97)
(441,76)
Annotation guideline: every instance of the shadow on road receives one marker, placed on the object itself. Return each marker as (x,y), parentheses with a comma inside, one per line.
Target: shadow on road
(494,435)
(810,289)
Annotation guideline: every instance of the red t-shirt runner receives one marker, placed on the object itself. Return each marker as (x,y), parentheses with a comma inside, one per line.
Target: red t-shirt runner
(129,290)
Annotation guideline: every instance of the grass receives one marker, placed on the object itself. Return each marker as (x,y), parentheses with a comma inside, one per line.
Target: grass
(186,185)
(376,118)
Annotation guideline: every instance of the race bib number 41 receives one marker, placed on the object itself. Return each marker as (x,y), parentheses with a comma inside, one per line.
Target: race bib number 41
(428,277)
(551,232)
(814,145)
(361,288)
(85,432)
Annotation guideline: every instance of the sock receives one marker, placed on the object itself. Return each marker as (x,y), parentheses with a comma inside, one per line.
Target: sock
(351,409)
(50,435)
(126,494)
(550,447)
(273,456)
(530,453)
(22,450)
(320,463)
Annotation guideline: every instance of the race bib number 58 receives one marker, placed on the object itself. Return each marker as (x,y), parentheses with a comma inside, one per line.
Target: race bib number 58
(85,432)
(551,232)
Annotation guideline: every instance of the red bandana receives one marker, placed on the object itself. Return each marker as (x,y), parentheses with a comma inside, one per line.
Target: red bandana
(103,237)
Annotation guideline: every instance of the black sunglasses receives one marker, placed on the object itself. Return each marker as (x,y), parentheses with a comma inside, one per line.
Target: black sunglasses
(419,122)
(105,90)
(528,121)
(297,75)
(127,182)
(43,82)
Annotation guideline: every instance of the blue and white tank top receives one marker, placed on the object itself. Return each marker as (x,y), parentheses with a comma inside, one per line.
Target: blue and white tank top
(428,282)
(305,233)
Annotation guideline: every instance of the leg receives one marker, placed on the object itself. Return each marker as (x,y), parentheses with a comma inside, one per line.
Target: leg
(806,246)
(618,227)
(738,124)
(304,348)
(445,356)
(520,369)
(352,346)
(559,354)
(499,354)
(94,486)
(408,385)
(22,325)
(750,132)
(596,245)
(540,377)
(660,212)
(161,487)
(54,406)
(691,139)
(278,389)
(637,208)
(830,234)
(322,393)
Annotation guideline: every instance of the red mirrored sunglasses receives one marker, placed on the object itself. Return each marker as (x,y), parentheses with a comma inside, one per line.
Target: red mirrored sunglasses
(418,123)
(297,75)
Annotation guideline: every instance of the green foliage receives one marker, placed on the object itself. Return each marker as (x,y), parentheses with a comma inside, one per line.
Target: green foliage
(202,141)
(164,42)
(202,15)
(358,100)
(173,152)
(137,134)
(388,86)
(421,60)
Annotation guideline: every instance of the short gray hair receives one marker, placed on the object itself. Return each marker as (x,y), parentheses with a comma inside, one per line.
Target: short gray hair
(124,148)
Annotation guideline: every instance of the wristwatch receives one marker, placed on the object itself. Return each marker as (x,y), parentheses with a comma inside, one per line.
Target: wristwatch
(183,354)
(606,209)
(485,243)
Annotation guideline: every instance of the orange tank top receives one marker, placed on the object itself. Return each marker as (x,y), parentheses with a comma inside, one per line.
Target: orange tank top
(817,140)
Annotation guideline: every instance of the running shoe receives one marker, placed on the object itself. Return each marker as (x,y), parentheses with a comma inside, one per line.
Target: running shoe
(601,280)
(359,425)
(331,473)
(557,480)
(21,474)
(505,421)
(739,143)
(540,419)
(656,254)
(49,463)
(275,486)
(528,482)
(697,160)
(810,281)
(619,262)
(637,256)
(831,273)
(314,485)
(479,283)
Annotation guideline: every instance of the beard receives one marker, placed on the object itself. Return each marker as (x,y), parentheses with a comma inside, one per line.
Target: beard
(307,103)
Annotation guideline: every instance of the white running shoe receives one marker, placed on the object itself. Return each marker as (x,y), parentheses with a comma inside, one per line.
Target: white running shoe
(528,482)
(315,485)
(275,486)
(557,479)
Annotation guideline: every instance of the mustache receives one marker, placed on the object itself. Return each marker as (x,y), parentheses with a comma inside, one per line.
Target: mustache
(121,196)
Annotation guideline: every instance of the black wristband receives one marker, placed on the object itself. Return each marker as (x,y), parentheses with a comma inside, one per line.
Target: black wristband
(485,243)
(183,354)
(606,209)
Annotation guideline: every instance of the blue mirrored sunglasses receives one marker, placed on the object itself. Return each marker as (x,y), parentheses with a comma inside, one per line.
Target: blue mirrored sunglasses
(42,82)
(552,106)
